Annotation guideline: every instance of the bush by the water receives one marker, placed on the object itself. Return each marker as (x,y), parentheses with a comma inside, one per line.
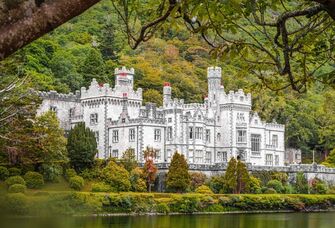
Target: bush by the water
(17,188)
(14,171)
(203,189)
(116,176)
(4,173)
(100,187)
(76,183)
(15,180)
(276,185)
(34,180)
(16,204)
(70,173)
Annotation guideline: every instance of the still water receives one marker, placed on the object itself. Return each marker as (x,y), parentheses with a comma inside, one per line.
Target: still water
(278,220)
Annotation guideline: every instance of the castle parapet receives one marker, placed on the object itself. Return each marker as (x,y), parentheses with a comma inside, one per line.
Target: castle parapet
(53,95)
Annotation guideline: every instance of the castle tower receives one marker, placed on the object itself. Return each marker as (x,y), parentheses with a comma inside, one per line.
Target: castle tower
(124,78)
(166,93)
(214,83)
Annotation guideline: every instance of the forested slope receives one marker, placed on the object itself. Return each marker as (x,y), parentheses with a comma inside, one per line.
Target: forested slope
(92,45)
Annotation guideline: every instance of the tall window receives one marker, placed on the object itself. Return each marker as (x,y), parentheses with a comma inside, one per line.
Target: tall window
(131,134)
(240,117)
(190,130)
(71,112)
(275,140)
(96,134)
(241,136)
(157,135)
(115,136)
(198,157)
(255,144)
(269,159)
(198,133)
(190,156)
(94,118)
(222,156)
(208,135)
(218,137)
(169,133)
(276,159)
(158,154)
(115,153)
(208,157)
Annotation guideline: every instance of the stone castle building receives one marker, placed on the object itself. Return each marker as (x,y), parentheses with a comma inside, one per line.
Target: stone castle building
(212,132)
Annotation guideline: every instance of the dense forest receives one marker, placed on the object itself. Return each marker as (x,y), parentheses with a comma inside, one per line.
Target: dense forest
(93,44)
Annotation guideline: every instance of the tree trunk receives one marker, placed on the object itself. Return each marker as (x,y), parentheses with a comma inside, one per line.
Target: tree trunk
(329,5)
(25,23)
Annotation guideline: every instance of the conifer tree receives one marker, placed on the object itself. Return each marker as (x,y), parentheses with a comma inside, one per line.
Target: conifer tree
(82,147)
(230,177)
(178,178)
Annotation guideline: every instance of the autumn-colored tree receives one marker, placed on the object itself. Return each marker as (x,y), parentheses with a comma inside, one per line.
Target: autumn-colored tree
(149,169)
(197,179)
(178,179)
(137,180)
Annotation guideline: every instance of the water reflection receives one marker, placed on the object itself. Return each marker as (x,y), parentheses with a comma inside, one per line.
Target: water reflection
(279,220)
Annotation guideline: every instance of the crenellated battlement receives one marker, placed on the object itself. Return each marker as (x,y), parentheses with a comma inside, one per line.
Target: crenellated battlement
(96,90)
(54,95)
(124,70)
(238,97)
(214,72)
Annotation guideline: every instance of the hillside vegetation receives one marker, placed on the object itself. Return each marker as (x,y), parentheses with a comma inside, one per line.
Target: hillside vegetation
(92,45)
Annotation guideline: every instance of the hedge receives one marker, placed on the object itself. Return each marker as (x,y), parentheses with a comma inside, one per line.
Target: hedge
(69,203)
(4,173)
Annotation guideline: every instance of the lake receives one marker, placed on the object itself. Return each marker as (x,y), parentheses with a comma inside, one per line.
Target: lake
(273,220)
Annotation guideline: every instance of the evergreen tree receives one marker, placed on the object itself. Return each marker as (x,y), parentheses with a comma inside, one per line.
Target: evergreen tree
(243,178)
(93,67)
(178,179)
(81,146)
(230,177)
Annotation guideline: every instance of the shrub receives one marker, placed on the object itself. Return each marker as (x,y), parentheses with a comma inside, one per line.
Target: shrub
(282,177)
(17,188)
(16,203)
(76,183)
(318,186)
(162,208)
(197,179)
(70,173)
(137,180)
(100,187)
(276,185)
(51,172)
(14,171)
(270,191)
(15,180)
(289,189)
(255,185)
(203,189)
(216,183)
(4,173)
(116,176)
(301,183)
(34,180)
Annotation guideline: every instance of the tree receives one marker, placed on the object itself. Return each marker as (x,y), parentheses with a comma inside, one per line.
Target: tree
(82,147)
(137,180)
(178,179)
(22,23)
(116,176)
(128,160)
(149,168)
(197,179)
(49,148)
(283,57)
(330,161)
(236,178)
(93,67)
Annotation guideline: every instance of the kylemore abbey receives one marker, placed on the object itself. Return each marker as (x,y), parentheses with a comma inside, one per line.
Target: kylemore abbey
(212,132)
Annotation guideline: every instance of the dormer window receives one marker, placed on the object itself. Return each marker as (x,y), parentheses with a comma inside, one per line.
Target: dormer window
(241,98)
(199,117)
(256,121)
(123,120)
(53,109)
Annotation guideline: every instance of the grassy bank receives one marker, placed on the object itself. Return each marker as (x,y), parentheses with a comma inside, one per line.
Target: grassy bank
(85,203)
